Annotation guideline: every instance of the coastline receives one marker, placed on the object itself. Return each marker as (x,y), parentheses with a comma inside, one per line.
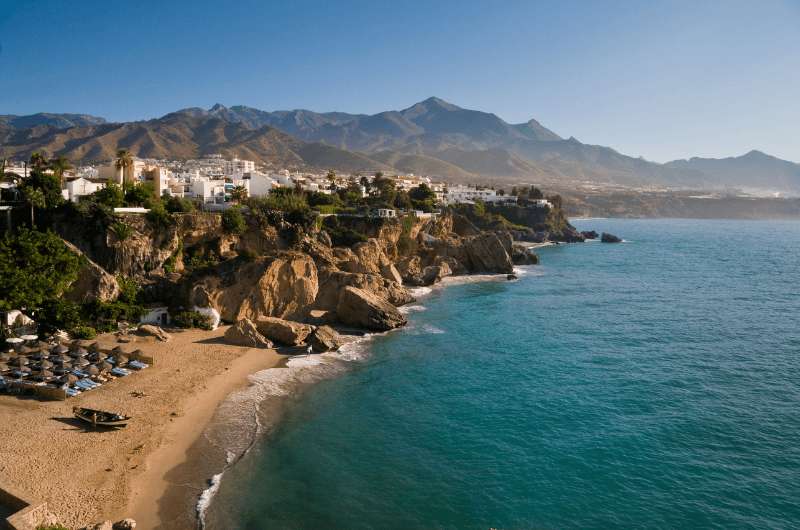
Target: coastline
(87,476)
(296,372)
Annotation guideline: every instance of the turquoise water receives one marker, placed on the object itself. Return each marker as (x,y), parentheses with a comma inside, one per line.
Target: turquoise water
(653,383)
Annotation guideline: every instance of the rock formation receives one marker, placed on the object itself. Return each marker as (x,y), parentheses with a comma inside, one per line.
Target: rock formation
(245,333)
(360,308)
(325,338)
(610,238)
(286,332)
(154,331)
(93,282)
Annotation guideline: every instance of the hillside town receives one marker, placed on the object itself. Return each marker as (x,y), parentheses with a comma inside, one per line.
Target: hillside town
(218,183)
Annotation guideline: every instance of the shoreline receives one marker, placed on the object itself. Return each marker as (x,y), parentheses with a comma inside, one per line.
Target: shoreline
(87,476)
(175,507)
(151,487)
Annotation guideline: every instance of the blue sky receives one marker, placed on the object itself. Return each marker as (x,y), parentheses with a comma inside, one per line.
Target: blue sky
(663,80)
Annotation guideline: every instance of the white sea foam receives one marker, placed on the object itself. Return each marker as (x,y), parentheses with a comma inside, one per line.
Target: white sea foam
(419,292)
(205,498)
(412,308)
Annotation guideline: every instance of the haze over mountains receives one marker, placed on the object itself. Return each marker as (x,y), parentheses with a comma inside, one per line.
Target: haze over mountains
(432,137)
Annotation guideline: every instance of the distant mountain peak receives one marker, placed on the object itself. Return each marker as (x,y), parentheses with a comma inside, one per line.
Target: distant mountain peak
(218,107)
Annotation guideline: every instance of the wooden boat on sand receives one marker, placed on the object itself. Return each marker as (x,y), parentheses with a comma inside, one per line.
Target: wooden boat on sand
(101,418)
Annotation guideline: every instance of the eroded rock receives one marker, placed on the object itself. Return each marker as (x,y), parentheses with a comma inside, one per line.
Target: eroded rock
(286,332)
(245,333)
(325,338)
(361,308)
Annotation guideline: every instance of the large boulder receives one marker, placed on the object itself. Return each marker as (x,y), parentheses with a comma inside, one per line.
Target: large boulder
(154,331)
(522,255)
(245,333)
(610,238)
(93,283)
(590,234)
(363,309)
(284,286)
(434,273)
(487,253)
(332,281)
(286,332)
(325,338)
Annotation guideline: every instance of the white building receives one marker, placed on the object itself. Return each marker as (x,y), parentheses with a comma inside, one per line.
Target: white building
(465,194)
(80,187)
(239,167)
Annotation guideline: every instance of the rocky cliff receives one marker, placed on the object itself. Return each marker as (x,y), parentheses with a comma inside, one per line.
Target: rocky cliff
(277,268)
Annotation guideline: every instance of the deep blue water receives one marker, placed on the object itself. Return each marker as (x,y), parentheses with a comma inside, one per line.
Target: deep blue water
(653,383)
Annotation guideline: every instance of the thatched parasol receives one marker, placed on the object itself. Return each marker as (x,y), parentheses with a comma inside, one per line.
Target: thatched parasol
(60,349)
(118,351)
(61,359)
(97,356)
(43,375)
(68,379)
(80,362)
(92,370)
(4,356)
(93,347)
(121,360)
(19,361)
(46,364)
(105,366)
(79,352)
(3,367)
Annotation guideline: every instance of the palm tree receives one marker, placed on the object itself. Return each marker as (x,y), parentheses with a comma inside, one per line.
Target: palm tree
(59,166)
(123,162)
(238,194)
(38,161)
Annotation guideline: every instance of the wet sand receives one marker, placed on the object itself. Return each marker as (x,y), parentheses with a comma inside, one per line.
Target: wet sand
(87,476)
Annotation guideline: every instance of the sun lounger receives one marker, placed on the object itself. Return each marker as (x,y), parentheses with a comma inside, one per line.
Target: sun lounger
(119,372)
(137,365)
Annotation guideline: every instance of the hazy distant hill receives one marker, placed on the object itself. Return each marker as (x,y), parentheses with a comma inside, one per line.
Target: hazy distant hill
(432,137)
(752,170)
(61,121)
(183,135)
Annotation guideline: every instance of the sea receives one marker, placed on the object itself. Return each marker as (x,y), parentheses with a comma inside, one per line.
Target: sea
(653,383)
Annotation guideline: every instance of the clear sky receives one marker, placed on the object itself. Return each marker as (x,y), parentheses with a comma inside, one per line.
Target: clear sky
(663,80)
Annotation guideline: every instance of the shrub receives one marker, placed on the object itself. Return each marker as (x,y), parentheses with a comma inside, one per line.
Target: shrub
(191,319)
(121,230)
(34,267)
(159,217)
(179,205)
(111,196)
(84,332)
(233,221)
(140,194)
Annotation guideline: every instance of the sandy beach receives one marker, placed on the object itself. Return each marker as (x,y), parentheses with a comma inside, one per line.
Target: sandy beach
(88,476)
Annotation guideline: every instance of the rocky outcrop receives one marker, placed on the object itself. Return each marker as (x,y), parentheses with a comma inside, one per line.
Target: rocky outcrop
(610,238)
(245,333)
(285,286)
(286,332)
(363,309)
(486,253)
(332,282)
(590,234)
(325,338)
(93,283)
(521,255)
(154,331)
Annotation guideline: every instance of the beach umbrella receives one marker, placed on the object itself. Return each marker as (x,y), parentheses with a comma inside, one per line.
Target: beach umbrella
(4,356)
(14,341)
(104,366)
(46,364)
(61,359)
(3,367)
(121,360)
(43,375)
(96,356)
(94,347)
(117,351)
(68,379)
(79,352)
(60,349)
(19,361)
(29,338)
(80,362)
(92,370)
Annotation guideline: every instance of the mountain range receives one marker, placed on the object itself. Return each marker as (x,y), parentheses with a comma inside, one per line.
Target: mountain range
(432,137)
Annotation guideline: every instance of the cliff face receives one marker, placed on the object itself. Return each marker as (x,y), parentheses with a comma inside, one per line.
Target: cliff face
(284,270)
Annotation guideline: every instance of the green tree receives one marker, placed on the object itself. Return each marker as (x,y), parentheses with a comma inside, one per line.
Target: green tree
(110,196)
(123,162)
(233,221)
(60,165)
(239,194)
(34,267)
(140,195)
